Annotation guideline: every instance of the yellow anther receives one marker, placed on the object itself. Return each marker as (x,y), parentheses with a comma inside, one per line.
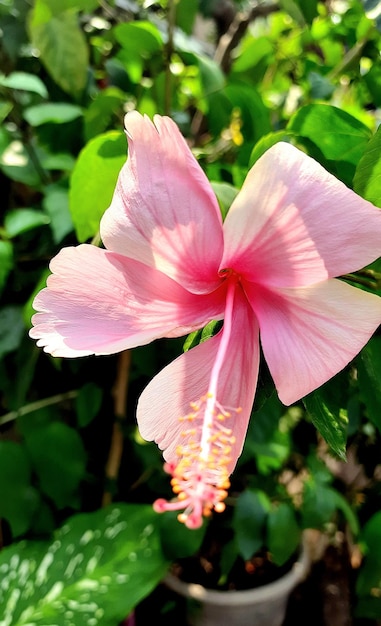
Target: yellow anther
(220,507)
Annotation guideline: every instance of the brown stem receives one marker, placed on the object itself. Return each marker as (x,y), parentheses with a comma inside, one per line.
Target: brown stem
(236,31)
(226,45)
(120,409)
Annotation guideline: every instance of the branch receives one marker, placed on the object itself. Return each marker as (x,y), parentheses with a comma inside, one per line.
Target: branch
(117,440)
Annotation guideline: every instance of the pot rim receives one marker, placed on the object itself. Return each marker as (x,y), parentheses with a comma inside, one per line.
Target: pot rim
(280,587)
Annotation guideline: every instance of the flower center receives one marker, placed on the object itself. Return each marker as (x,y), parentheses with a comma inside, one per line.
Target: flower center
(200,478)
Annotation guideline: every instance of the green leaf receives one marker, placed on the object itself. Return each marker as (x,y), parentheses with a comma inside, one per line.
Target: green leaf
(93,181)
(367,179)
(369,379)
(249,520)
(178,541)
(6,261)
(326,411)
(283,533)
(254,50)
(140,42)
(17,165)
(319,504)
(87,403)
(186,11)
(62,46)
(338,135)
(52,112)
(77,5)
(225,195)
(56,204)
(369,577)
(199,336)
(98,115)
(5,108)
(266,142)
(12,328)
(21,221)
(93,572)
(24,82)
(19,499)
(59,458)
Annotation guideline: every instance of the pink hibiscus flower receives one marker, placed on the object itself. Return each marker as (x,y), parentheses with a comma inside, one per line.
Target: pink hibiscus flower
(171,265)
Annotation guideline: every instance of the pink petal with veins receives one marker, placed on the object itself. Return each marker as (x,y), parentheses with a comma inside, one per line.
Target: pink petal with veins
(99,302)
(294,224)
(164,212)
(310,334)
(168,396)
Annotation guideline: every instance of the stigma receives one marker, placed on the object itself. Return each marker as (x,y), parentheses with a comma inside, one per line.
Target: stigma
(200,477)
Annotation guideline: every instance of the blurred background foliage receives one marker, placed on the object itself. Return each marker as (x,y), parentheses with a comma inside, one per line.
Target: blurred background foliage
(236,76)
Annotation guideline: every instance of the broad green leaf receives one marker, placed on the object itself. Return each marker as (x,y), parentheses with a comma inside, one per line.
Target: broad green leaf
(141,42)
(52,112)
(25,82)
(367,605)
(329,417)
(292,8)
(249,521)
(225,195)
(93,181)
(19,221)
(319,504)
(57,7)
(59,459)
(309,9)
(98,115)
(338,135)
(94,571)
(321,87)
(265,440)
(369,379)
(283,533)
(87,403)
(59,161)
(12,328)
(186,11)
(212,77)
(19,499)
(178,541)
(367,179)
(369,576)
(254,50)
(199,336)
(266,142)
(56,204)
(6,261)
(247,105)
(17,165)
(5,108)
(372,79)
(28,310)
(62,46)
(142,36)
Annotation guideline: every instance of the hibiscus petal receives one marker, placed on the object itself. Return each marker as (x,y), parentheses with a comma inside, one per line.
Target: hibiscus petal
(294,224)
(168,396)
(99,302)
(164,211)
(310,334)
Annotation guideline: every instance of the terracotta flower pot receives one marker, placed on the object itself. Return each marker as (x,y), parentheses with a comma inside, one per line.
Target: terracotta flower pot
(262,606)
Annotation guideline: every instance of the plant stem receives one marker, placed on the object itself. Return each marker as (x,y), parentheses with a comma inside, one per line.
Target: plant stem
(120,405)
(35,406)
